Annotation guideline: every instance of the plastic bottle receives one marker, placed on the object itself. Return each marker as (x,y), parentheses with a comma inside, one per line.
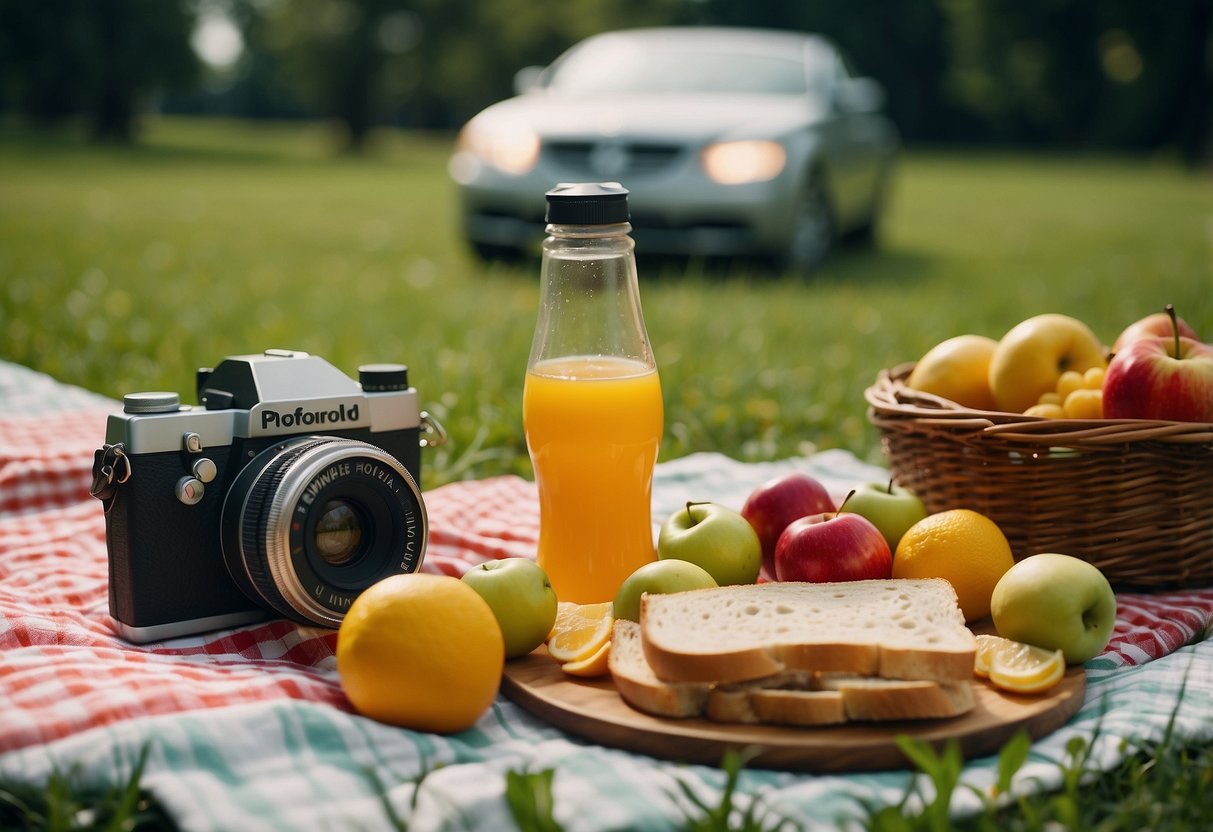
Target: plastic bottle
(592,406)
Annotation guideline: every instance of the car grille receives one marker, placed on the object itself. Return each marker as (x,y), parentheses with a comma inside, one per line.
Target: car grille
(611,160)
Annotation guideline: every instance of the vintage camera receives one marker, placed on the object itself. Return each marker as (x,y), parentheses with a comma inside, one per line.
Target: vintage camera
(288,490)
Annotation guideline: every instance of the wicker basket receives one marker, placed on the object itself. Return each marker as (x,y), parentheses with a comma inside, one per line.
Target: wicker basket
(1133,497)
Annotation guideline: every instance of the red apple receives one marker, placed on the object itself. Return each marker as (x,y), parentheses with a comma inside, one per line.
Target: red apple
(772,506)
(832,547)
(1158,325)
(1160,378)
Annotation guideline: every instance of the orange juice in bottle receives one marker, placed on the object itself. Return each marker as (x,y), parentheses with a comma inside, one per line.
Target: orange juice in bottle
(592,406)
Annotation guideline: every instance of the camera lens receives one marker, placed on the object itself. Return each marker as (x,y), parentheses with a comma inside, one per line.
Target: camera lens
(338,533)
(308,524)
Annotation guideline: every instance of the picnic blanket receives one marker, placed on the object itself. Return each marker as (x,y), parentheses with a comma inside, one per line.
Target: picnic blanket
(249,729)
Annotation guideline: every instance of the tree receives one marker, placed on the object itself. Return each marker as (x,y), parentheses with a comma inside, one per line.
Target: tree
(99,58)
(351,59)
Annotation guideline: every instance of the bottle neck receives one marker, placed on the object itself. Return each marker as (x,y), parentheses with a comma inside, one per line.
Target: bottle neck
(621,229)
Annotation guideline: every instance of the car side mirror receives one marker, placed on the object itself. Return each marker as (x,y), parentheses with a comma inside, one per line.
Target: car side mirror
(862,95)
(527,79)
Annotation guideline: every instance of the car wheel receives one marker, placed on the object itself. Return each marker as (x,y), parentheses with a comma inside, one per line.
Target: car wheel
(812,228)
(867,233)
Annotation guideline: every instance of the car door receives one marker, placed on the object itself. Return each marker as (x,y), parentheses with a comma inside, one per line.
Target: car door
(857,138)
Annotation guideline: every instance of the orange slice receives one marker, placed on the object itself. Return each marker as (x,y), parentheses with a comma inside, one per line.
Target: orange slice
(1022,668)
(564,610)
(581,631)
(596,665)
(986,645)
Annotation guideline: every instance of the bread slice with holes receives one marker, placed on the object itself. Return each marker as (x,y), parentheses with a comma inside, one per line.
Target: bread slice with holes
(796,699)
(895,629)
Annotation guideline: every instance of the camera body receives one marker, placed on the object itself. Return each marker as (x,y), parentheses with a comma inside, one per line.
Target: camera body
(290,488)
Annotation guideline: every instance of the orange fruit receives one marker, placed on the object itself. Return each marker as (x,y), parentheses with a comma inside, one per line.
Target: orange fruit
(598,664)
(962,546)
(421,651)
(580,631)
(957,369)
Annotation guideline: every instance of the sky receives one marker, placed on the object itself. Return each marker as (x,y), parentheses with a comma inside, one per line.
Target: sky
(216,39)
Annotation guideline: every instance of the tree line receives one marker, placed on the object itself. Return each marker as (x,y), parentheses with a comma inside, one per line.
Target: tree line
(1110,74)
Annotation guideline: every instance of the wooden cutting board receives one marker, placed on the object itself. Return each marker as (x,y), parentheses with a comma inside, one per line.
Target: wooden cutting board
(591,708)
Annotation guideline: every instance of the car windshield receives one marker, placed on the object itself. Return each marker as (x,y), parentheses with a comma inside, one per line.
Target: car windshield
(615,66)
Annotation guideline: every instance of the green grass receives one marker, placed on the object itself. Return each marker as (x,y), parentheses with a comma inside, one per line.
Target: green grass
(124,269)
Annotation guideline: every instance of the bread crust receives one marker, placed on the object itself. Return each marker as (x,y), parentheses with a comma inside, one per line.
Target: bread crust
(894,699)
(640,688)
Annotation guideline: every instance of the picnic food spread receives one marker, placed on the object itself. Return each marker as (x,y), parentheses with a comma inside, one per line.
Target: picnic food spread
(263,705)
(795,610)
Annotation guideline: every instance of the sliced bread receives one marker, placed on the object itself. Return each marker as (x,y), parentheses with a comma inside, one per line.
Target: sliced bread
(796,699)
(891,699)
(638,686)
(777,702)
(898,629)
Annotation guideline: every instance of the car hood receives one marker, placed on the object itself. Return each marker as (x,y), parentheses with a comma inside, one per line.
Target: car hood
(678,117)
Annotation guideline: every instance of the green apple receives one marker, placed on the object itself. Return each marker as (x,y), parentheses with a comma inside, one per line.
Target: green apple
(522,600)
(658,577)
(715,538)
(1058,602)
(889,506)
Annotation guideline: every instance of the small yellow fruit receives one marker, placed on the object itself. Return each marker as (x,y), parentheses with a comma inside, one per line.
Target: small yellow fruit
(958,370)
(1046,411)
(421,651)
(1093,378)
(1070,381)
(1051,397)
(1084,404)
(962,546)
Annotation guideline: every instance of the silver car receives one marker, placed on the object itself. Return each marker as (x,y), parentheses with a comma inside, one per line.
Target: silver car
(733,143)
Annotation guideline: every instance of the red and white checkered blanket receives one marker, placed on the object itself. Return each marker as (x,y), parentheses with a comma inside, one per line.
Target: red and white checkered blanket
(63,669)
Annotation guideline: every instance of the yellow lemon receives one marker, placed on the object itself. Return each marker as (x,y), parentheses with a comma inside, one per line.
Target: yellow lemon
(957,369)
(962,546)
(1022,668)
(580,631)
(986,646)
(421,651)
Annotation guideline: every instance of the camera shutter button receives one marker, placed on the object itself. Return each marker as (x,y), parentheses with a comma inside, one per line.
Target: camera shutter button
(205,470)
(190,490)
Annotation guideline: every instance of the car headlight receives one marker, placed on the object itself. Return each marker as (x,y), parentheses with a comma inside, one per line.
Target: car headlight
(513,148)
(742,162)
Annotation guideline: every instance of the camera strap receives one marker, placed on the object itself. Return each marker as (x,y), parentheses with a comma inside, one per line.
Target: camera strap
(111,468)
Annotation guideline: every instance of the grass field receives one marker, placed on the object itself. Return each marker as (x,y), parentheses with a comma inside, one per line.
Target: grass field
(124,269)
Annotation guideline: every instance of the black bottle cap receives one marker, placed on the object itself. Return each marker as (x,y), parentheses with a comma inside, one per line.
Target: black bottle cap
(587,203)
(383,378)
